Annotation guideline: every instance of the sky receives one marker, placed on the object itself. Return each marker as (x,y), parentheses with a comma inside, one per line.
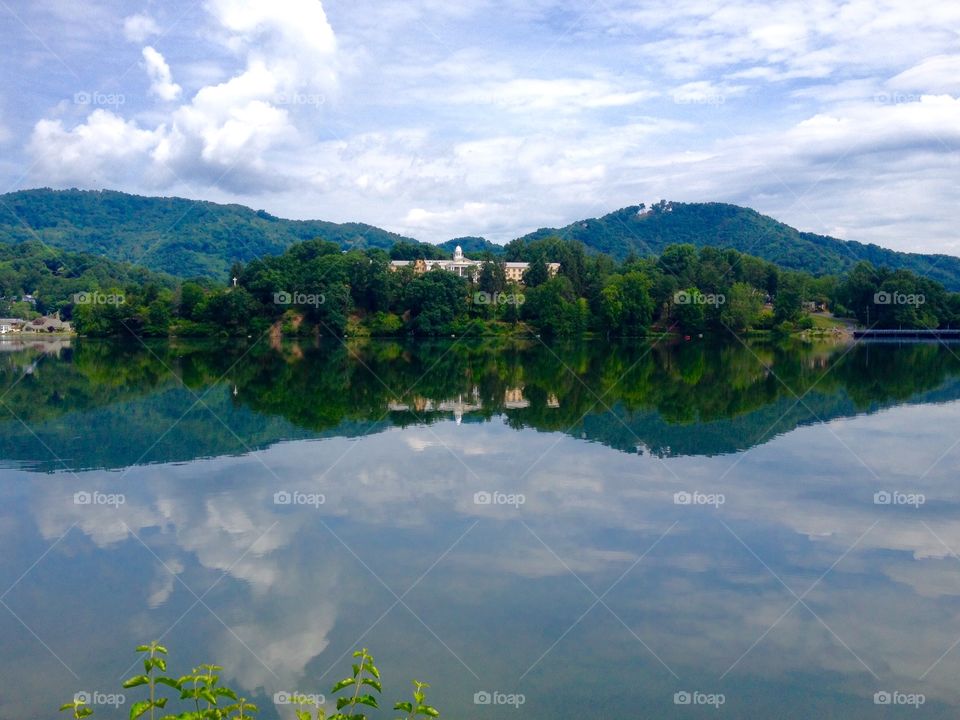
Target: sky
(440,119)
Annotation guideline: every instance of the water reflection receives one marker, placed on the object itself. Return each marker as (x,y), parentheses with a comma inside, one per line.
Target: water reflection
(91,404)
(795,597)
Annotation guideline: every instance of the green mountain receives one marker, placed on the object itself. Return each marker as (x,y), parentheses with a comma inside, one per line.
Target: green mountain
(197,238)
(647,231)
(472,246)
(183,237)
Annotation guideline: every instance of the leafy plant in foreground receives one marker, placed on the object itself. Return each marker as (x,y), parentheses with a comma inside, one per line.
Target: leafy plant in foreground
(152,662)
(203,694)
(79,709)
(365,674)
(419,705)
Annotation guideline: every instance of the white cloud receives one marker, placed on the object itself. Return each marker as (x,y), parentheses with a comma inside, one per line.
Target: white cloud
(439,121)
(938,74)
(292,38)
(139,27)
(469,213)
(223,134)
(90,153)
(553,95)
(161,79)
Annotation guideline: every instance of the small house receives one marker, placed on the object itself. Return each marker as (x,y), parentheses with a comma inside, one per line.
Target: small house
(11,325)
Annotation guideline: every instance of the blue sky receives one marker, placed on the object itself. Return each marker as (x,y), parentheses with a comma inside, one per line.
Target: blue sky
(439,119)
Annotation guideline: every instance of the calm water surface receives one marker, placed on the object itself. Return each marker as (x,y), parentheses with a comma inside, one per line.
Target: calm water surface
(595,528)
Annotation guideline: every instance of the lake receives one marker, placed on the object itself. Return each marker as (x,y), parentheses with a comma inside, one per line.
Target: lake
(610,530)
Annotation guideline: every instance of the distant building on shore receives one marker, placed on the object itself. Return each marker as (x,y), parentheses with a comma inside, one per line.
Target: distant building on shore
(9,325)
(51,324)
(465,267)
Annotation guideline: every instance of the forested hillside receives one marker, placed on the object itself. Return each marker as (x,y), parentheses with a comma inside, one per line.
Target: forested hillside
(51,278)
(186,238)
(647,231)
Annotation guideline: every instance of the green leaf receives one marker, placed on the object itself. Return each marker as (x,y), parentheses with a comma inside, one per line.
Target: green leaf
(368,700)
(226,692)
(160,703)
(428,711)
(341,685)
(372,669)
(136,681)
(375,684)
(138,709)
(356,670)
(84,712)
(407,707)
(302,715)
(67,706)
(169,682)
(143,648)
(160,649)
(342,702)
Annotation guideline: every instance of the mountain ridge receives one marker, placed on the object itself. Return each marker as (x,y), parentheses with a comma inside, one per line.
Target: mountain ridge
(648,230)
(187,237)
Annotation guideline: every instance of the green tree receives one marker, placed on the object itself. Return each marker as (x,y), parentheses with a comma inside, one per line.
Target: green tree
(537,274)
(788,303)
(742,307)
(492,278)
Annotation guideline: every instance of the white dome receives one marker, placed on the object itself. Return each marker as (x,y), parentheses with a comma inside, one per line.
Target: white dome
(458,253)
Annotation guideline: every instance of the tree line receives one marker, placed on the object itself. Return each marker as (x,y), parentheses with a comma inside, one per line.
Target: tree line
(316,288)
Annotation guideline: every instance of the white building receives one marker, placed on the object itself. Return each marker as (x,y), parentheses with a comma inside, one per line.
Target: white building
(465,267)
